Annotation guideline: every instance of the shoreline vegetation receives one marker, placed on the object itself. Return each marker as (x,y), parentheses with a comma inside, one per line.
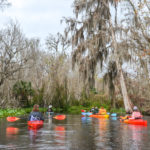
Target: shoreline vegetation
(74,110)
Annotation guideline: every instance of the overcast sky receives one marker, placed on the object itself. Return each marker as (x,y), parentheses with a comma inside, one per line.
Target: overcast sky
(37,18)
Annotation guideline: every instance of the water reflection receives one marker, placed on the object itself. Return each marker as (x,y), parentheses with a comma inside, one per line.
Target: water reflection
(134,136)
(86,119)
(101,139)
(60,133)
(102,125)
(75,133)
(11,132)
(114,118)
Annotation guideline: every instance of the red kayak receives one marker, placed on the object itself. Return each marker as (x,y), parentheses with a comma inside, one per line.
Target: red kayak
(12,119)
(136,122)
(35,124)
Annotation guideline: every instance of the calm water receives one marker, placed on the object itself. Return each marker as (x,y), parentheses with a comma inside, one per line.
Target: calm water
(75,133)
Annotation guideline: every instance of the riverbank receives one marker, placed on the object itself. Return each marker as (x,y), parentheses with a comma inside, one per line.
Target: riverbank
(17,112)
(69,110)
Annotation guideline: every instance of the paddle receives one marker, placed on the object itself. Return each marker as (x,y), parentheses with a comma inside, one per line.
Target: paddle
(124,118)
(60,117)
(12,119)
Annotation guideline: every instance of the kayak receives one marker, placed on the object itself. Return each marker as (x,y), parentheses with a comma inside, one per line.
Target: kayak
(100,116)
(12,119)
(86,113)
(136,122)
(35,124)
(113,115)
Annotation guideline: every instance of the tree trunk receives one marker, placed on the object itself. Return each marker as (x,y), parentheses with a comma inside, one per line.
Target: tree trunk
(127,102)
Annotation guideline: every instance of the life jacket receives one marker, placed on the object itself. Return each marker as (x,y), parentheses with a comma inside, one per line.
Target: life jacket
(102,112)
(34,118)
(136,115)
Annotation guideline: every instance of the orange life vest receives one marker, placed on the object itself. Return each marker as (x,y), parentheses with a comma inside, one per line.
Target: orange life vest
(102,111)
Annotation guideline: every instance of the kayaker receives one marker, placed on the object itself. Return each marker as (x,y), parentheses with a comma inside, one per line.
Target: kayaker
(35,114)
(102,111)
(136,114)
(50,108)
(95,110)
(92,110)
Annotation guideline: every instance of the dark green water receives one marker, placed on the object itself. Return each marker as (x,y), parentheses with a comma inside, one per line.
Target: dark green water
(75,133)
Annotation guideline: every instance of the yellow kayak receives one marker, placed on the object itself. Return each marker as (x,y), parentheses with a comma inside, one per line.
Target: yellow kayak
(100,116)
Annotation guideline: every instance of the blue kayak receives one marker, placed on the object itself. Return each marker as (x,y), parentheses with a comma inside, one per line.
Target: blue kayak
(113,115)
(86,113)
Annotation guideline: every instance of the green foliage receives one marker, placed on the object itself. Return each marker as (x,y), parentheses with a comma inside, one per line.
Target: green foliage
(77,109)
(60,97)
(17,112)
(23,91)
(38,97)
(11,112)
(120,110)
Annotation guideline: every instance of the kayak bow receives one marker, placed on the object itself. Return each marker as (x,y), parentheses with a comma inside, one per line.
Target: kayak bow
(35,124)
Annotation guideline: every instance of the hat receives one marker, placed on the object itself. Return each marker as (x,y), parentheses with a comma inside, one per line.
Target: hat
(135,108)
(50,106)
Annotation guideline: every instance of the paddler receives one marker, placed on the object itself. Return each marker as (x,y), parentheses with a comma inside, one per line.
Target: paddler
(35,114)
(136,114)
(102,111)
(50,110)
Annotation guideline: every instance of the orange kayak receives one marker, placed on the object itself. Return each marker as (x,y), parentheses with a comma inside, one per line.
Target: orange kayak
(136,122)
(100,116)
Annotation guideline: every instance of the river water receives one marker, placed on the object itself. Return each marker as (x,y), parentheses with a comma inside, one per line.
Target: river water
(75,133)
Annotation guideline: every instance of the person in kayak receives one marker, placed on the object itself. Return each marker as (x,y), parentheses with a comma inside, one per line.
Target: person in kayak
(136,114)
(35,114)
(95,110)
(92,110)
(50,108)
(102,111)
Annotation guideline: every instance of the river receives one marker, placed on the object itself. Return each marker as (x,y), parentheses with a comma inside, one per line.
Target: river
(75,133)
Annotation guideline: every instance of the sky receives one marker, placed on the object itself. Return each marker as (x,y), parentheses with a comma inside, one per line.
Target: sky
(37,18)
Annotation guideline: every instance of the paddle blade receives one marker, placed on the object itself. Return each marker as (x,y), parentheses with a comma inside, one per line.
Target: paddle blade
(12,119)
(60,117)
